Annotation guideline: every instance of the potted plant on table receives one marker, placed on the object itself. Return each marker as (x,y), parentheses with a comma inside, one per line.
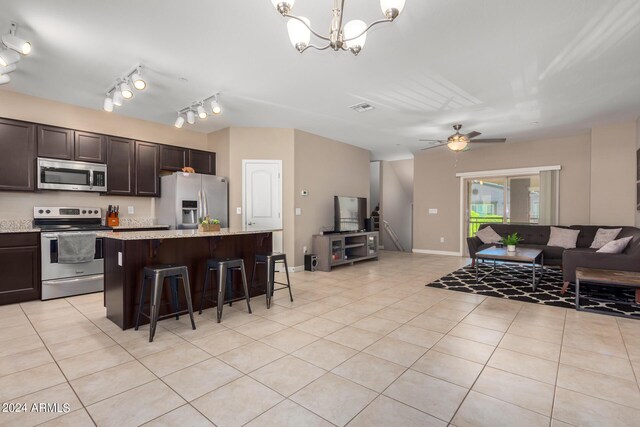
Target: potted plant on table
(511,240)
(209,224)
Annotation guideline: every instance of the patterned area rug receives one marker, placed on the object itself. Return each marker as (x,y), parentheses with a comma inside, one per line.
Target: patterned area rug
(514,282)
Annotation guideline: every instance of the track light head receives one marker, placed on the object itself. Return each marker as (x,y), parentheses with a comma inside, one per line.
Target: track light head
(127,93)
(138,82)
(108,104)
(4,79)
(215,107)
(8,57)
(117,98)
(8,69)
(201,112)
(16,43)
(179,121)
(191,117)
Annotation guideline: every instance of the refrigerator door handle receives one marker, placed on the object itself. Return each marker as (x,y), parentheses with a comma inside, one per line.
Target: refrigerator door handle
(199,202)
(205,205)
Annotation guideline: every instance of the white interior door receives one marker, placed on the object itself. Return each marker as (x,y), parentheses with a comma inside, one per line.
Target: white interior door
(262,188)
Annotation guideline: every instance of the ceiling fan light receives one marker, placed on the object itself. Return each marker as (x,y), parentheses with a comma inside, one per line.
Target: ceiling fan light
(179,121)
(127,93)
(299,34)
(457,145)
(4,79)
(191,118)
(355,30)
(16,43)
(392,8)
(138,82)
(117,98)
(201,112)
(8,57)
(108,104)
(8,69)
(215,107)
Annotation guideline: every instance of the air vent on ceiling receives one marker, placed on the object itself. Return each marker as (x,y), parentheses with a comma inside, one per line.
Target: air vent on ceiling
(362,107)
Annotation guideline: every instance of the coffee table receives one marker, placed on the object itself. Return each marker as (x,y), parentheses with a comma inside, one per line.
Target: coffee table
(534,257)
(613,278)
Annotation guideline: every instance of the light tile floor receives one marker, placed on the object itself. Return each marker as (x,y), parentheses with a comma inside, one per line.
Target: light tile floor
(364,345)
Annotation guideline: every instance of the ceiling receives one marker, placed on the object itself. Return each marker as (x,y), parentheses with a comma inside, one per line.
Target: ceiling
(508,68)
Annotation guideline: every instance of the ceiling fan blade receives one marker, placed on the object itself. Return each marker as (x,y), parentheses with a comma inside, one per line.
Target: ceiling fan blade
(490,140)
(441,144)
(431,140)
(473,134)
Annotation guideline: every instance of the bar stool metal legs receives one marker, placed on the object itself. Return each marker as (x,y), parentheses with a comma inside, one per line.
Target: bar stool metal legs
(224,268)
(158,274)
(270,260)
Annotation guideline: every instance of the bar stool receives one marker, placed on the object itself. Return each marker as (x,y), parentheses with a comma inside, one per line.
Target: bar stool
(159,273)
(224,268)
(270,260)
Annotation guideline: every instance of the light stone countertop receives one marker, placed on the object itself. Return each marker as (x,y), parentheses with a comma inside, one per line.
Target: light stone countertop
(17,226)
(176,234)
(133,227)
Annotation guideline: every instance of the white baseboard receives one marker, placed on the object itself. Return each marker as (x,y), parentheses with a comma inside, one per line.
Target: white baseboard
(432,252)
(296,269)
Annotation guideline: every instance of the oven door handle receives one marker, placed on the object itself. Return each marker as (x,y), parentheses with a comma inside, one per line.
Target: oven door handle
(49,235)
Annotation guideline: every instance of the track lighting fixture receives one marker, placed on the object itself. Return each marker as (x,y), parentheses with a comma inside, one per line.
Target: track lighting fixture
(4,79)
(11,49)
(201,113)
(8,69)
(127,93)
(122,90)
(16,43)
(8,57)
(199,108)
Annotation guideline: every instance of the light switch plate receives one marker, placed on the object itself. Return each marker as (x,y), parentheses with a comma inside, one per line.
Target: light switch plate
(239,211)
(298,211)
(131,210)
(433,211)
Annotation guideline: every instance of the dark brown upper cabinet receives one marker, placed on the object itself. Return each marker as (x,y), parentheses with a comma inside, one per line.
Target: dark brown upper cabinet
(55,143)
(90,147)
(203,161)
(147,169)
(18,151)
(172,158)
(120,166)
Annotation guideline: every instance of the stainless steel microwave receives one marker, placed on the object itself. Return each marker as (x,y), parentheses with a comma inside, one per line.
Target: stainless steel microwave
(73,176)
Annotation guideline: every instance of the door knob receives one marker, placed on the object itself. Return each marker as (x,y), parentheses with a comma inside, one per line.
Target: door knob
(250,223)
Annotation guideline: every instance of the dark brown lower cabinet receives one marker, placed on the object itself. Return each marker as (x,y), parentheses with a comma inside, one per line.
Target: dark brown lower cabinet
(19,267)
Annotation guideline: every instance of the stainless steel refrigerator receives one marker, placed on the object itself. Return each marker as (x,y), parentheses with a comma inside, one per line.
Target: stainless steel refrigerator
(187,197)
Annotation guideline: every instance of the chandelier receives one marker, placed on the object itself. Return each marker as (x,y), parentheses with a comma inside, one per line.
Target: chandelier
(352,36)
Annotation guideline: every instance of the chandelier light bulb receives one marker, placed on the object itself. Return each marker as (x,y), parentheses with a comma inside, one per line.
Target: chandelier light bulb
(191,117)
(8,57)
(201,112)
(299,34)
(215,107)
(4,79)
(392,8)
(179,121)
(138,82)
(127,93)
(17,44)
(108,104)
(117,98)
(354,35)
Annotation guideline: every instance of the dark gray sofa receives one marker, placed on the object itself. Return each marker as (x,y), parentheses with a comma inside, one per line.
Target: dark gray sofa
(537,236)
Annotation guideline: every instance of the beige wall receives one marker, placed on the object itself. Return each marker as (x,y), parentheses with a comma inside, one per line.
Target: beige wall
(637,199)
(396,197)
(219,143)
(613,174)
(436,185)
(325,168)
(13,105)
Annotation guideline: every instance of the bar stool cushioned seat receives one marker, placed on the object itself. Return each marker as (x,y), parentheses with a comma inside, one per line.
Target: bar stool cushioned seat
(158,274)
(224,268)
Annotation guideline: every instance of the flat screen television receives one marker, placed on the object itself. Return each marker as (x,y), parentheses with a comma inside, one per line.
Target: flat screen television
(350,213)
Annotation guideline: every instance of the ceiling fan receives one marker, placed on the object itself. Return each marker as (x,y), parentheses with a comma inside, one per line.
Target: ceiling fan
(460,142)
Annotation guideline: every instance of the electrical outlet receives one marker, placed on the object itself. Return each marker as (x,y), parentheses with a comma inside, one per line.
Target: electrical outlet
(304,250)
(304,193)
(442,240)
(131,210)
(239,211)
(433,211)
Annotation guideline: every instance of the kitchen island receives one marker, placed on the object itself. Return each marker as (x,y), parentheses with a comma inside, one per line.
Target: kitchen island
(126,254)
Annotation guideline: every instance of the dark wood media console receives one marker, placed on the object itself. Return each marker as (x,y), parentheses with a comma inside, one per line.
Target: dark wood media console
(126,254)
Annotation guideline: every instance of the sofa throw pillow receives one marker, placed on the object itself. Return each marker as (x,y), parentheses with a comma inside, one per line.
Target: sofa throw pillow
(604,236)
(488,235)
(563,237)
(615,247)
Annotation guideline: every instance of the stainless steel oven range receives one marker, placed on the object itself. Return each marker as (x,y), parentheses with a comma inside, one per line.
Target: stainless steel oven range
(60,279)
